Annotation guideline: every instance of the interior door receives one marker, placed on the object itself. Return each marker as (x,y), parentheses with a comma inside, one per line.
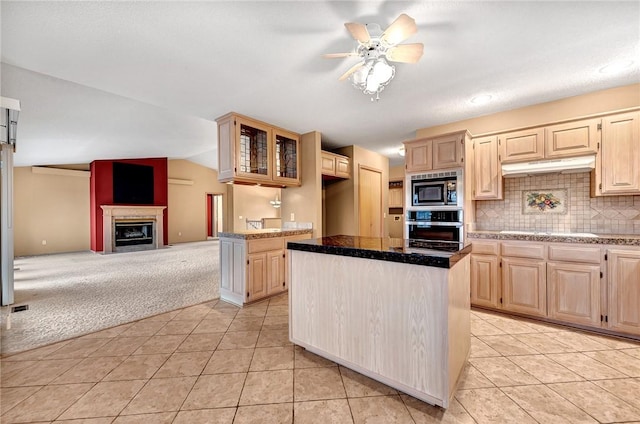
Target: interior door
(209,215)
(370,202)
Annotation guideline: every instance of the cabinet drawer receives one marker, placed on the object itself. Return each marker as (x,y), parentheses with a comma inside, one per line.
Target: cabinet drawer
(525,250)
(263,245)
(583,254)
(485,247)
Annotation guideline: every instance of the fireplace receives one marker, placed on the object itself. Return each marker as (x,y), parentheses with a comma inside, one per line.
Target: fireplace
(129,228)
(136,234)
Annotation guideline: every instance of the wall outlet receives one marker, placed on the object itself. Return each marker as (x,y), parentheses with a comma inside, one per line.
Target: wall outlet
(240,217)
(293,216)
(44,242)
(179,234)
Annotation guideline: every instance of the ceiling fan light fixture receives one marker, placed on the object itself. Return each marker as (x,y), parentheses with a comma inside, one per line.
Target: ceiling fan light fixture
(373,77)
(376,48)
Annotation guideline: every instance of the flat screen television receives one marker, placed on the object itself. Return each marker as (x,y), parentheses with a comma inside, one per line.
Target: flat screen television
(132,184)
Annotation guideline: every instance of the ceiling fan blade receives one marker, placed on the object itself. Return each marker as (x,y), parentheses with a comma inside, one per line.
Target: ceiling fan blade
(358,31)
(406,53)
(399,30)
(338,55)
(351,71)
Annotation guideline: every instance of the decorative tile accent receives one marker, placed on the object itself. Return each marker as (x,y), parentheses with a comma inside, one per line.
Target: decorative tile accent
(600,215)
(545,201)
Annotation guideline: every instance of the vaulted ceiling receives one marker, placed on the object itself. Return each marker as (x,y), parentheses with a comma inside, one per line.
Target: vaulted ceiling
(101,79)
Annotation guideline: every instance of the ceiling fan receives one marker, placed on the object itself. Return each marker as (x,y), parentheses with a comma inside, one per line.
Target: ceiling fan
(376,48)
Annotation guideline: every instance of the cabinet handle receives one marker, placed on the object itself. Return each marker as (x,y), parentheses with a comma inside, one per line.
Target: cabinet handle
(248,294)
(283,255)
(283,284)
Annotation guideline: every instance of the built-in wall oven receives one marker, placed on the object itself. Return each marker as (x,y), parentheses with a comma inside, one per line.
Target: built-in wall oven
(435,229)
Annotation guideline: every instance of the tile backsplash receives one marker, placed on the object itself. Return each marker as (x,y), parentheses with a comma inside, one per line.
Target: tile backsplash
(604,215)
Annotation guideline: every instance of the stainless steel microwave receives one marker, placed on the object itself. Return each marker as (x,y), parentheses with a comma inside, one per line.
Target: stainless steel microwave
(436,189)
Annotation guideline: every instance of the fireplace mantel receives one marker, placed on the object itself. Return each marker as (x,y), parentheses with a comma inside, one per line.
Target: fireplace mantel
(112,213)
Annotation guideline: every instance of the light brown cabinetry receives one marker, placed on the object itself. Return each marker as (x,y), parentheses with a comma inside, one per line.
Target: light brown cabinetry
(418,156)
(574,292)
(395,197)
(486,167)
(253,269)
(275,272)
(522,146)
(257,276)
(620,156)
(254,152)
(334,165)
(565,282)
(485,274)
(568,139)
(574,281)
(442,152)
(524,286)
(624,290)
(572,138)
(265,263)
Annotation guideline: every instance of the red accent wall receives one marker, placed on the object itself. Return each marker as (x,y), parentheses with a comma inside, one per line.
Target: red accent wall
(101,186)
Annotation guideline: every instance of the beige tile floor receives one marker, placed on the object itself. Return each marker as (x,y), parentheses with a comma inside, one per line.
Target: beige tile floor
(215,363)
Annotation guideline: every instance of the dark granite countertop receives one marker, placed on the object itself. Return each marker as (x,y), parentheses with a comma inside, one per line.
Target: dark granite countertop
(583,238)
(266,233)
(383,249)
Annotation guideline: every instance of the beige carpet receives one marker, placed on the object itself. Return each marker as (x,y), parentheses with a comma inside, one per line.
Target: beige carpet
(72,294)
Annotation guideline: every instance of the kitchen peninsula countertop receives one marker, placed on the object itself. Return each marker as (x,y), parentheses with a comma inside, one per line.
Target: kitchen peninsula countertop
(380,248)
(266,233)
(580,238)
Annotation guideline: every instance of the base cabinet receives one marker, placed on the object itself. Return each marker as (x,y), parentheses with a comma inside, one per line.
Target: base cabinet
(253,269)
(524,286)
(624,290)
(485,280)
(583,284)
(574,292)
(257,266)
(275,272)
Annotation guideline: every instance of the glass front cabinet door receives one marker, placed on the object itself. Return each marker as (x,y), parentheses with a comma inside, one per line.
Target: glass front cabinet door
(286,158)
(251,151)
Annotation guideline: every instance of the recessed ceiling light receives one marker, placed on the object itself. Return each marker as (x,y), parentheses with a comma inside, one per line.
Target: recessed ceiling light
(616,67)
(481,99)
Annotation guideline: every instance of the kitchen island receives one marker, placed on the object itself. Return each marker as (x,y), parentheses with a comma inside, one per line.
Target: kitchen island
(252,263)
(396,314)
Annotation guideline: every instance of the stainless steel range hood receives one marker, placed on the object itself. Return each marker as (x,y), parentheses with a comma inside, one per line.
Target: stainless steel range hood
(563,166)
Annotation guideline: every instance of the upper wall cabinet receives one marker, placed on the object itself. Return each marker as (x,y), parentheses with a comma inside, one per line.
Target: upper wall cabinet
(442,152)
(486,169)
(253,152)
(334,165)
(418,156)
(554,141)
(572,139)
(619,169)
(521,146)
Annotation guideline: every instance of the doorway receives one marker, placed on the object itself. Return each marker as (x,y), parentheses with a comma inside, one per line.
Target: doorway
(214,215)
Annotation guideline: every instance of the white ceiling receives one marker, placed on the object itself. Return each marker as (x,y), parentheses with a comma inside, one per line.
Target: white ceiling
(100,80)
